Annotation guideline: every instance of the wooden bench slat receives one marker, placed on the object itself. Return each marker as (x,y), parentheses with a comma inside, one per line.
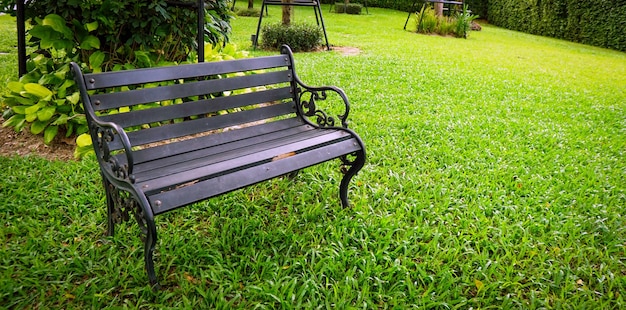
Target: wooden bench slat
(217,138)
(204,147)
(151,75)
(107,101)
(231,163)
(208,155)
(194,108)
(162,202)
(178,130)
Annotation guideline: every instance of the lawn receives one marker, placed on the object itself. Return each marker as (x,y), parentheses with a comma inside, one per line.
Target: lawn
(496,178)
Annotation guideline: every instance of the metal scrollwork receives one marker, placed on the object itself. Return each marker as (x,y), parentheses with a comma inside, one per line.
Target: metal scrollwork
(347,161)
(124,207)
(106,136)
(309,107)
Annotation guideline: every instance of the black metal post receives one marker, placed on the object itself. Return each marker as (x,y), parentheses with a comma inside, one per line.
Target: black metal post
(21,38)
(200,30)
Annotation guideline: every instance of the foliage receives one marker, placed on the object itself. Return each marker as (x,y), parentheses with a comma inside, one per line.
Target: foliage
(299,36)
(247,12)
(348,8)
(45,99)
(428,22)
(102,35)
(463,22)
(596,22)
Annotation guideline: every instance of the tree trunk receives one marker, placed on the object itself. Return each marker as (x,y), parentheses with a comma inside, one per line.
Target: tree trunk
(286,13)
(439,9)
(250,4)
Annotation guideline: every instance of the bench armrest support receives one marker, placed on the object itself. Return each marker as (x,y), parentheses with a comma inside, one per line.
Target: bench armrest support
(102,135)
(307,98)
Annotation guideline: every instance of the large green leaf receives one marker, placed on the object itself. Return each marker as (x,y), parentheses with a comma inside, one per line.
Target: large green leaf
(62,120)
(31,117)
(15,87)
(83,140)
(42,32)
(34,108)
(19,109)
(46,113)
(14,120)
(91,26)
(38,127)
(58,24)
(90,42)
(37,90)
(73,98)
(50,133)
(96,59)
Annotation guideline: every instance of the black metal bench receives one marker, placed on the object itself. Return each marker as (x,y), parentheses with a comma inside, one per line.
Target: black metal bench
(169,137)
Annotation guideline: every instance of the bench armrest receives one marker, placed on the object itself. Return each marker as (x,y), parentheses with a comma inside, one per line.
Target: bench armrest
(307,98)
(103,135)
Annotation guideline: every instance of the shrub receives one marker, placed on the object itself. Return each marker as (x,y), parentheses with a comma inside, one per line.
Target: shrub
(299,36)
(595,22)
(353,8)
(101,35)
(460,25)
(247,12)
(350,8)
(340,7)
(426,20)
(464,23)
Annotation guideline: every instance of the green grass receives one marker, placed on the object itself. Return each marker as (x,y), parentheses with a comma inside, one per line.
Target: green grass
(496,178)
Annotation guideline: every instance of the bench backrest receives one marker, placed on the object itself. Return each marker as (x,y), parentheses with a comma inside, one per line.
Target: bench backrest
(157,105)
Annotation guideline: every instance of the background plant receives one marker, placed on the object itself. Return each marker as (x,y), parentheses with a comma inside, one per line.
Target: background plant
(428,21)
(102,36)
(299,36)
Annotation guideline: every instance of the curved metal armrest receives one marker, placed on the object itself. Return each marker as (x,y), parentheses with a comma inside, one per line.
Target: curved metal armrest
(102,134)
(308,98)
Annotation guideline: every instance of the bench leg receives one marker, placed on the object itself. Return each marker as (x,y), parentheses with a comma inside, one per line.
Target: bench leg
(148,251)
(355,166)
(110,207)
(145,220)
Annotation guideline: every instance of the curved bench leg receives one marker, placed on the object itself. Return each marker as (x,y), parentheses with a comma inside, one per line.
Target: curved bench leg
(355,166)
(108,188)
(148,251)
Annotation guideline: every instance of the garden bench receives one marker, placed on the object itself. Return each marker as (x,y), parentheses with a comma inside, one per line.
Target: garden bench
(169,137)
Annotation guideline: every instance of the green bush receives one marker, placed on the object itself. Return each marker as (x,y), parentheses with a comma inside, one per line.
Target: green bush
(247,12)
(300,37)
(353,8)
(350,8)
(101,35)
(459,25)
(595,22)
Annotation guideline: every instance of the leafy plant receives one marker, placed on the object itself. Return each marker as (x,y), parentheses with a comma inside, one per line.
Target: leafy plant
(299,36)
(348,8)
(102,35)
(428,22)
(464,21)
(45,99)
